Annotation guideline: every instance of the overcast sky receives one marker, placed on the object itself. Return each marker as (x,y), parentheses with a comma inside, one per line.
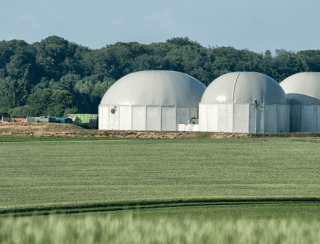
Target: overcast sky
(248,24)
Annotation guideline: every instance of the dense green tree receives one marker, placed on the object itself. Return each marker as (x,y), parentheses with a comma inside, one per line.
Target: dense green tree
(13,92)
(311,58)
(60,101)
(149,62)
(8,49)
(181,41)
(44,83)
(55,76)
(67,82)
(20,112)
(4,112)
(50,102)
(100,88)
(73,110)
(287,63)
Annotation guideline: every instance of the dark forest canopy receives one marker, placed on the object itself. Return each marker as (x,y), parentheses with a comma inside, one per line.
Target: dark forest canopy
(57,77)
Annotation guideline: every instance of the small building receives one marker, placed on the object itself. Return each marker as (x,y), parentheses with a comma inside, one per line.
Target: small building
(303,93)
(150,100)
(244,102)
(89,121)
(5,119)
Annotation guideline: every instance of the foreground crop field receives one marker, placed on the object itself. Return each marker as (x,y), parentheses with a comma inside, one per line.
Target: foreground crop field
(50,174)
(125,229)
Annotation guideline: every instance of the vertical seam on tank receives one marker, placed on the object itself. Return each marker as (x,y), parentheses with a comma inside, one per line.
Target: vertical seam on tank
(234,87)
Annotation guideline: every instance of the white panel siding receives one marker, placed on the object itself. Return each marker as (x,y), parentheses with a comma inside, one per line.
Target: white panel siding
(225,117)
(213,117)
(115,119)
(295,118)
(104,118)
(252,118)
(241,118)
(259,110)
(153,118)
(287,129)
(304,118)
(183,115)
(125,117)
(106,114)
(308,118)
(244,118)
(100,114)
(144,117)
(139,118)
(270,118)
(283,118)
(168,121)
(318,118)
(203,118)
(112,119)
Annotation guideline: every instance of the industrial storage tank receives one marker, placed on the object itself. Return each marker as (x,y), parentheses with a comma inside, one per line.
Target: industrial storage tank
(244,102)
(303,93)
(150,100)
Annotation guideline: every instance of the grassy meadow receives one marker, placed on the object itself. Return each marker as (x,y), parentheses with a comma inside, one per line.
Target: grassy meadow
(219,190)
(64,173)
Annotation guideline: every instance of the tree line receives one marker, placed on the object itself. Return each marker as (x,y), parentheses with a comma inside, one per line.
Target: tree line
(56,77)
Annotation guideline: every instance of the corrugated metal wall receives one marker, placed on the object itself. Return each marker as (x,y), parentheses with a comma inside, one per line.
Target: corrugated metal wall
(125,118)
(244,118)
(144,117)
(139,116)
(241,118)
(304,118)
(153,118)
(168,119)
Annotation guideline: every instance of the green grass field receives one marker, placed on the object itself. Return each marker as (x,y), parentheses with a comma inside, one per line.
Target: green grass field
(184,190)
(53,174)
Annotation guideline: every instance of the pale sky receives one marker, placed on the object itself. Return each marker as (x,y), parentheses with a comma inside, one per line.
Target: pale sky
(255,25)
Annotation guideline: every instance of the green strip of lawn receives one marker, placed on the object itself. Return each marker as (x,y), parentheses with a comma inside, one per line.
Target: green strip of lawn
(57,138)
(53,174)
(277,210)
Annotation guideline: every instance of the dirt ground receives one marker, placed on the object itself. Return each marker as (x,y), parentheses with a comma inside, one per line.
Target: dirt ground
(68,130)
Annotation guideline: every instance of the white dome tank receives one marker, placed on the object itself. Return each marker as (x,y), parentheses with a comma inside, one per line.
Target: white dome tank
(244,102)
(244,87)
(150,100)
(303,88)
(166,88)
(303,93)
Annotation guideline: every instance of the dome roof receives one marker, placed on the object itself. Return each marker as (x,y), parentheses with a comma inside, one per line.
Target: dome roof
(244,87)
(155,88)
(303,88)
